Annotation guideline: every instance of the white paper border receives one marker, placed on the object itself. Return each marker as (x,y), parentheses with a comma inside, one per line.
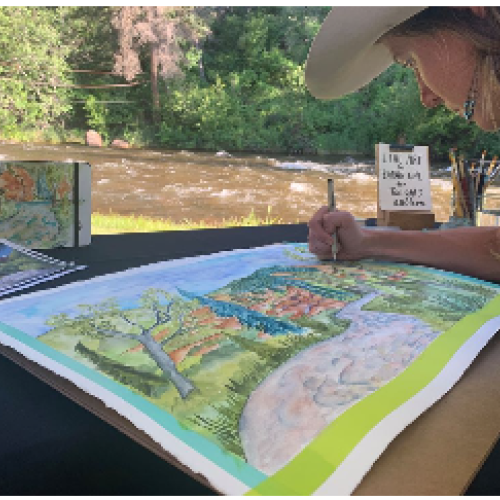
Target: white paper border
(220,479)
(351,471)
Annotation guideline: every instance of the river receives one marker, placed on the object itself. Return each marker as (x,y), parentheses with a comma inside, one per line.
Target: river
(213,186)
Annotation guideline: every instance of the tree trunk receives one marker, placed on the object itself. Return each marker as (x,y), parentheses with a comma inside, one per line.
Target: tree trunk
(154,82)
(162,359)
(201,68)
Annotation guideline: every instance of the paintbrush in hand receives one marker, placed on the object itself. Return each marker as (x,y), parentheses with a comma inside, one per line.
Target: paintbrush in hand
(331,208)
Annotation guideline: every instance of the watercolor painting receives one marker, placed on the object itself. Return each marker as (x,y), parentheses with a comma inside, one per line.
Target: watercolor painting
(36,200)
(248,356)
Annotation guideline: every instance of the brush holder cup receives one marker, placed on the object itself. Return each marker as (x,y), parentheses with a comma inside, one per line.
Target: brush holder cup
(489,213)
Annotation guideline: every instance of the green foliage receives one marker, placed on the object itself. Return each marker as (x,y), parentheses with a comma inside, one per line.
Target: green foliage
(444,129)
(241,86)
(140,380)
(96,115)
(33,69)
(440,302)
(254,94)
(113,112)
(223,425)
(107,321)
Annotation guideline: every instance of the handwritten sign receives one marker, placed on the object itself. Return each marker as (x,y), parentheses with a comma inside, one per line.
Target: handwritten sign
(403,178)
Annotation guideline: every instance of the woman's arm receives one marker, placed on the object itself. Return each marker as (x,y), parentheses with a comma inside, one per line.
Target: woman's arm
(467,250)
(473,251)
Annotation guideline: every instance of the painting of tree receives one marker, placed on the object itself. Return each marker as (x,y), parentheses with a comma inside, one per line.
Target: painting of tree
(157,309)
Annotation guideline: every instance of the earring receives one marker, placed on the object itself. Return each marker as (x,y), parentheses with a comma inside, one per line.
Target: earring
(469,108)
(470,103)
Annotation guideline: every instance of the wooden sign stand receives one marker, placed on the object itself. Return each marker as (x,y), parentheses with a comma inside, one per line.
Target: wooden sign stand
(404,219)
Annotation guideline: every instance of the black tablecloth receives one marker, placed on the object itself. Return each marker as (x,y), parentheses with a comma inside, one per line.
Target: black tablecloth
(49,445)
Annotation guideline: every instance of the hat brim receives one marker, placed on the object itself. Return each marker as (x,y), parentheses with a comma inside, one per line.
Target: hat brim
(344,55)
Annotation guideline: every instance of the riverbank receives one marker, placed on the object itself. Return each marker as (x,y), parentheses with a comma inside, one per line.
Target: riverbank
(77,138)
(116,224)
(213,187)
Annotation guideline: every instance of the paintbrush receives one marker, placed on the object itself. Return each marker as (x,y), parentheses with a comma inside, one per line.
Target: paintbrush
(481,162)
(460,185)
(477,178)
(461,166)
(467,187)
(454,198)
(471,190)
(457,189)
(464,185)
(331,208)
(492,174)
(492,164)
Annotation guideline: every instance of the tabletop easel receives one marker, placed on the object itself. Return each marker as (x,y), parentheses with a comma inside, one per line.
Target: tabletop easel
(404,187)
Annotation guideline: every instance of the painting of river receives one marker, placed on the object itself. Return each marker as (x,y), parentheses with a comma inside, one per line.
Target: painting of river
(213,186)
(247,355)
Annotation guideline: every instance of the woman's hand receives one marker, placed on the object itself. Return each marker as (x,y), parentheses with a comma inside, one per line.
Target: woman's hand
(351,238)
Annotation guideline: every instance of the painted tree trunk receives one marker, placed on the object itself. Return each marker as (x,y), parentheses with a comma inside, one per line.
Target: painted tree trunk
(161,358)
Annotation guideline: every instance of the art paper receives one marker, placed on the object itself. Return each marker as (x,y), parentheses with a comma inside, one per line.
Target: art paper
(41,203)
(265,370)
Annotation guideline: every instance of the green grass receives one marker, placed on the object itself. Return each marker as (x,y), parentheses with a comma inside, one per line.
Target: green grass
(114,224)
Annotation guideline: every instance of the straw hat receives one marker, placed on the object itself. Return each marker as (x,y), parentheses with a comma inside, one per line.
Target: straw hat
(344,56)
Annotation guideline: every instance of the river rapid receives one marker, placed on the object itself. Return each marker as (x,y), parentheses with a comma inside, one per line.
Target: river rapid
(213,186)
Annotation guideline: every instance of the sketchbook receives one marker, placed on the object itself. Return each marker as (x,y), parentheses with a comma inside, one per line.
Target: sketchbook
(265,370)
(45,204)
(22,268)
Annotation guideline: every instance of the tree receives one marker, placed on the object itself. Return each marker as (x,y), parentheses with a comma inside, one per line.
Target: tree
(33,68)
(91,40)
(160,30)
(108,320)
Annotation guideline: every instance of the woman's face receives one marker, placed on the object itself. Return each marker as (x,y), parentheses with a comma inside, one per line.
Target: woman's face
(444,65)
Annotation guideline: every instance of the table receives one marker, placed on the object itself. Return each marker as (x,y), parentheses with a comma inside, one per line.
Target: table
(49,445)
